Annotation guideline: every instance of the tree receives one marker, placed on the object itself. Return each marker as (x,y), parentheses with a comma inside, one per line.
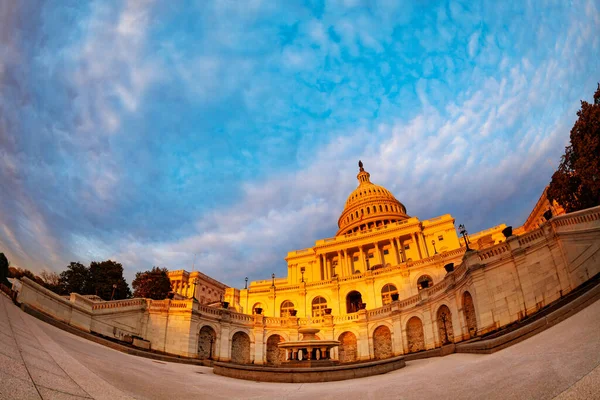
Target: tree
(102,276)
(74,279)
(51,280)
(154,284)
(4,270)
(576,183)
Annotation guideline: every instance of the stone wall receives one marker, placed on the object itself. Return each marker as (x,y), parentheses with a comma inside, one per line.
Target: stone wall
(382,343)
(348,347)
(414,335)
(240,348)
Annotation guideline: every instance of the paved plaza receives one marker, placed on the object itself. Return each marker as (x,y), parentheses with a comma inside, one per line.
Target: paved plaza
(40,361)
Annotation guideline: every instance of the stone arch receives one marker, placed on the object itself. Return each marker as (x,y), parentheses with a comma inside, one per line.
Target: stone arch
(444,323)
(348,347)
(275,355)
(240,348)
(207,342)
(353,301)
(414,335)
(382,342)
(470,315)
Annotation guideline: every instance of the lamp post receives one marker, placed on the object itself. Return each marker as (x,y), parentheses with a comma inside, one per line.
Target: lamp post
(433,243)
(112,296)
(443,317)
(302,269)
(246,285)
(273,280)
(212,339)
(463,232)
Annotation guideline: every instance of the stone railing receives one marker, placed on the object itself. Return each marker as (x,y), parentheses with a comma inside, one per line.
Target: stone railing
(345,318)
(530,237)
(209,310)
(310,321)
(493,251)
(590,216)
(275,321)
(119,304)
(380,312)
(320,283)
(409,301)
(242,318)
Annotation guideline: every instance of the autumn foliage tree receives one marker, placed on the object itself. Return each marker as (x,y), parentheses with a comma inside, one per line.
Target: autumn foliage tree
(576,183)
(153,284)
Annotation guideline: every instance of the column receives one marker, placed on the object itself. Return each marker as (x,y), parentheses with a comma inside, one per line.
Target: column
(416,242)
(422,238)
(321,267)
(402,253)
(340,266)
(362,259)
(394,244)
(328,268)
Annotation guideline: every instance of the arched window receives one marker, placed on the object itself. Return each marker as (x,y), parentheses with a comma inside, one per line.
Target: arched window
(368,210)
(386,293)
(380,208)
(353,302)
(319,304)
(257,305)
(386,208)
(286,308)
(424,282)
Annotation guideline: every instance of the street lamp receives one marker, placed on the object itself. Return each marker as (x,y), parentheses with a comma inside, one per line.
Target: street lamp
(302,269)
(246,285)
(463,232)
(433,243)
(273,280)
(443,317)
(112,296)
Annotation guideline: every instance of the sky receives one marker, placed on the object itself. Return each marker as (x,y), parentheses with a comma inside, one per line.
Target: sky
(219,135)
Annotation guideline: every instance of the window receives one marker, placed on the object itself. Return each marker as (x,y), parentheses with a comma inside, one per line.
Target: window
(257,305)
(407,247)
(424,282)
(386,252)
(286,308)
(319,304)
(386,293)
(440,238)
(371,255)
(355,258)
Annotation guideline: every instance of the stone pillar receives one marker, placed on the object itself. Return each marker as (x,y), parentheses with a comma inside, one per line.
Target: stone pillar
(394,244)
(416,242)
(328,268)
(402,253)
(379,253)
(321,267)
(362,344)
(362,259)
(340,267)
(224,344)
(397,346)
(422,239)
(260,355)
(429,329)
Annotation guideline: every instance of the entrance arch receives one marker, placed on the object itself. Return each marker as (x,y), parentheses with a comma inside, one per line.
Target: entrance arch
(207,340)
(382,342)
(353,301)
(470,317)
(348,347)
(275,355)
(444,322)
(240,348)
(414,335)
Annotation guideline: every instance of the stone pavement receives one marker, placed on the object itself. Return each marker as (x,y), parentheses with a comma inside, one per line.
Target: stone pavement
(40,361)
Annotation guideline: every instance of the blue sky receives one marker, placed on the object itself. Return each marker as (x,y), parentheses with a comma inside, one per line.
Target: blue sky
(149,131)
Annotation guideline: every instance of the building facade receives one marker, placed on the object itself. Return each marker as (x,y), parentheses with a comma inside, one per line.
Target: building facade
(379,251)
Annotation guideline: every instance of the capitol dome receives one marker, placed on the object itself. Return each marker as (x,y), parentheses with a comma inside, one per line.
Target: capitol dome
(369,206)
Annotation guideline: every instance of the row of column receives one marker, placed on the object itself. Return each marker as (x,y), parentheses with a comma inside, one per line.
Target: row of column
(344,266)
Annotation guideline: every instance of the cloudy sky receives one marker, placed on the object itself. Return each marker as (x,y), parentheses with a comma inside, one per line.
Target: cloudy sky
(228,132)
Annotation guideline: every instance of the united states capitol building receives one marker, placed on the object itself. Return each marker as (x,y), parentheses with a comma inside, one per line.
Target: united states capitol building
(387,284)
